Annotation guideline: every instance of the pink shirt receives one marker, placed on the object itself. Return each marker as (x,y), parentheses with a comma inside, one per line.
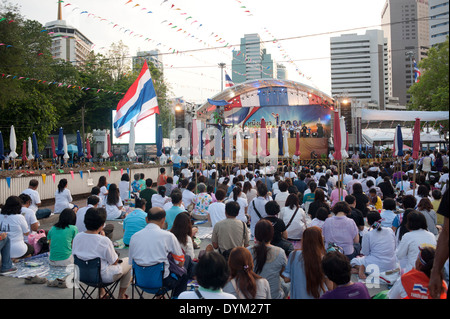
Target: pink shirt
(335,196)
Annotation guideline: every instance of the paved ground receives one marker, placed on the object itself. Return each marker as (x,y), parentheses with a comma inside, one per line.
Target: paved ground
(14,288)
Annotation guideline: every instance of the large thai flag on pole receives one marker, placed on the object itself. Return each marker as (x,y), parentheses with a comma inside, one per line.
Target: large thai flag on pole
(139,102)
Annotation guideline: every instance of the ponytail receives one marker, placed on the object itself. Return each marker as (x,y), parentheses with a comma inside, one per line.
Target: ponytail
(236,191)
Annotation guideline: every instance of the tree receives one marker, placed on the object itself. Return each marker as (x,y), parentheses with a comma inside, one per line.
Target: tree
(26,101)
(431,93)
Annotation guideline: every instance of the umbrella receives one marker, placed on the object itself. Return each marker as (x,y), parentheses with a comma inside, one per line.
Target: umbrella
(13,143)
(264,139)
(24,151)
(53,147)
(71,148)
(88,149)
(105,148)
(108,139)
(159,141)
(343,129)
(35,146)
(255,144)
(30,149)
(416,140)
(207,152)
(286,143)
(79,145)
(337,136)
(60,150)
(195,139)
(280,141)
(2,148)
(228,145)
(238,145)
(131,153)
(65,148)
(398,142)
(297,145)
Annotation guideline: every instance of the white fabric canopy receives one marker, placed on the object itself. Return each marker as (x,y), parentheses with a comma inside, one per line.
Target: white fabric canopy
(387,135)
(424,116)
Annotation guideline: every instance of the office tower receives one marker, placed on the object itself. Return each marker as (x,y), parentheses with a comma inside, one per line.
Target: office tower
(252,61)
(406,26)
(152,56)
(439,19)
(68,43)
(359,67)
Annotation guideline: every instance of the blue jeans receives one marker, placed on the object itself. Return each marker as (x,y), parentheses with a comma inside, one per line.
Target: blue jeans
(5,245)
(43,213)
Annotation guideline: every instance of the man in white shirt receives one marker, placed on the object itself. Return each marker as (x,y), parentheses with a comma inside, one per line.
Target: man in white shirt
(188,194)
(283,194)
(92,201)
(29,214)
(256,208)
(163,244)
(36,200)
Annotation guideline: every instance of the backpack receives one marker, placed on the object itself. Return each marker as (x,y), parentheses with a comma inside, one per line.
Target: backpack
(33,240)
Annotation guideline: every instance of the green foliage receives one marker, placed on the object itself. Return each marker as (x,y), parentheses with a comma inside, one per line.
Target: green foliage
(431,93)
(34,106)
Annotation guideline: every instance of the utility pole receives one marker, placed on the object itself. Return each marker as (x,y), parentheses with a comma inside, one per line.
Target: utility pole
(222,66)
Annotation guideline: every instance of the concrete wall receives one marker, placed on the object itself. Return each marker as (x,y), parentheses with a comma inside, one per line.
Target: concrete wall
(77,186)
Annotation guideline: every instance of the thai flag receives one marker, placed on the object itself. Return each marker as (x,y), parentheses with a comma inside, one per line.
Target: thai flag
(228,82)
(139,102)
(420,288)
(416,73)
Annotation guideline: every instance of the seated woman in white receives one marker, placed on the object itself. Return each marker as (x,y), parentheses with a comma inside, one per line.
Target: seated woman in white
(114,206)
(63,198)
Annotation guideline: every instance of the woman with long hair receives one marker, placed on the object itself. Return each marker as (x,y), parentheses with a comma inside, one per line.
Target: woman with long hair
(60,238)
(302,271)
(114,206)
(269,261)
(103,187)
(244,282)
(182,229)
(295,219)
(319,201)
(249,191)
(63,198)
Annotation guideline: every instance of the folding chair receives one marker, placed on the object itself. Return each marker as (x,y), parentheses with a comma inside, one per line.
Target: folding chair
(149,279)
(88,272)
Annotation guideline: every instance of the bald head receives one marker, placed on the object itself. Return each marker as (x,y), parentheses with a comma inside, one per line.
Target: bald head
(156,214)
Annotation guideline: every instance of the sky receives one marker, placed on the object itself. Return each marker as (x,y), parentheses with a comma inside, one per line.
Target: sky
(194,36)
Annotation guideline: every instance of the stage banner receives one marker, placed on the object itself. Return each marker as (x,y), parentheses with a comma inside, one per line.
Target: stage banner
(308,120)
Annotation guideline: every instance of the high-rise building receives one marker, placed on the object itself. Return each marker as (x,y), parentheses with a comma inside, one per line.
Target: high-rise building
(252,61)
(281,72)
(152,56)
(359,67)
(68,43)
(439,19)
(406,27)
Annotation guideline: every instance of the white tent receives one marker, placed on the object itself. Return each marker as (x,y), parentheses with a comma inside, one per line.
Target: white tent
(375,135)
(424,116)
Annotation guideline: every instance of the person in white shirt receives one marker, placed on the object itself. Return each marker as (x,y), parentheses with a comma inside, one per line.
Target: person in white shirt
(14,224)
(188,195)
(257,208)
(103,190)
(418,235)
(124,186)
(294,218)
(36,200)
(159,199)
(163,244)
(29,214)
(216,210)
(404,184)
(236,196)
(114,204)
(283,194)
(377,247)
(92,244)
(63,198)
(186,173)
(92,202)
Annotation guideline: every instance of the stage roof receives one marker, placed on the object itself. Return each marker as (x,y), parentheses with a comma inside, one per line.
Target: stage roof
(252,86)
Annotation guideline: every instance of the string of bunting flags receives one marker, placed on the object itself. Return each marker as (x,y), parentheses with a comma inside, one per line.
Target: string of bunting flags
(53,175)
